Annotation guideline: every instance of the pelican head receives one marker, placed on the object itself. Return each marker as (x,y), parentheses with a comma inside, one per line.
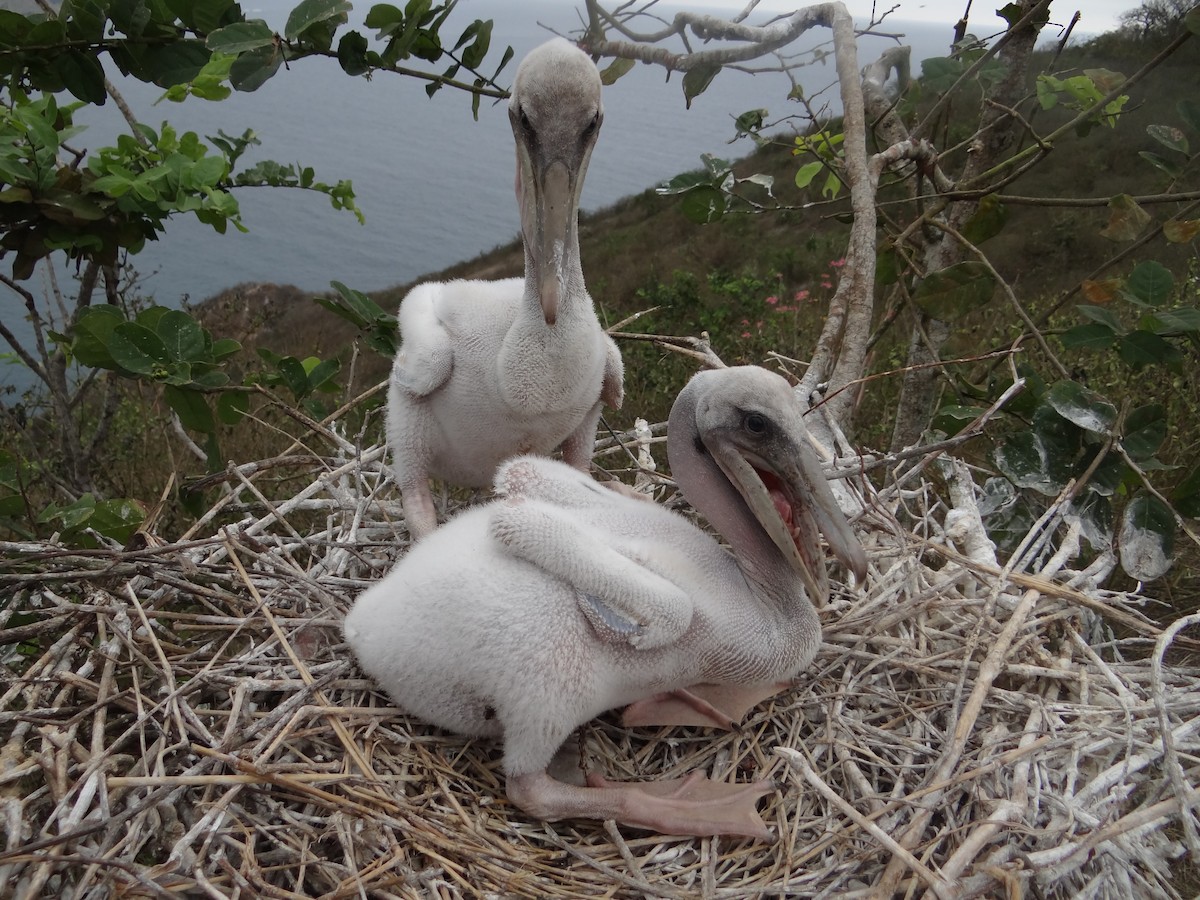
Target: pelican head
(770,487)
(555,111)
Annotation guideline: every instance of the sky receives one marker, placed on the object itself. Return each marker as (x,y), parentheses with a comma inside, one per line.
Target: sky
(1098,16)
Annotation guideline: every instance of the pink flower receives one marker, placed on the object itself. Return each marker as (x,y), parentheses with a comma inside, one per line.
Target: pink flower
(826,284)
(801,295)
(745,321)
(825,276)
(785,309)
(745,334)
(838,263)
(771,301)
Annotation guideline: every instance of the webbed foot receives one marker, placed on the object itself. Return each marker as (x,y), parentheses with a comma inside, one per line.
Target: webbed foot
(693,805)
(709,705)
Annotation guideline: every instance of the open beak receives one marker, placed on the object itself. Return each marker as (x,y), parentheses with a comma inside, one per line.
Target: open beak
(547,197)
(791,500)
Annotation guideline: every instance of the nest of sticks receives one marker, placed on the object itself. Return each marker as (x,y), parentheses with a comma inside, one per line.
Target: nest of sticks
(185,719)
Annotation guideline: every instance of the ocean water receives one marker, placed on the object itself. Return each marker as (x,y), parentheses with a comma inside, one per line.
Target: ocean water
(436,186)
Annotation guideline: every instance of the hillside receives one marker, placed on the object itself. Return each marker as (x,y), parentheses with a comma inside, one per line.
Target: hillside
(643,252)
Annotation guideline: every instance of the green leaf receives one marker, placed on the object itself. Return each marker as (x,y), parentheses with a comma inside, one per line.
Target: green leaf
(352,54)
(806,173)
(696,81)
(1082,407)
(181,335)
(1108,475)
(1141,348)
(953,418)
(1171,168)
(1012,13)
(940,73)
(223,348)
(117,519)
(1047,94)
(1147,537)
(191,407)
(1126,219)
(175,63)
(137,349)
(1169,136)
(1189,111)
(253,69)
(955,291)
(1178,321)
(385,17)
(615,70)
(294,376)
(1191,21)
(310,12)
(474,54)
(321,371)
(1150,284)
(1022,458)
(1186,495)
(72,516)
(82,75)
(232,405)
(93,331)
(240,37)
(703,205)
(988,220)
(1145,431)
(1094,336)
(1100,314)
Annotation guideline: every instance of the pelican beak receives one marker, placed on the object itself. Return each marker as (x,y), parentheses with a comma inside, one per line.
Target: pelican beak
(554,200)
(791,500)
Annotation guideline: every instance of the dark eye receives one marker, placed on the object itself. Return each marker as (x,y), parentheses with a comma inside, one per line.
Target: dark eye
(592,126)
(526,125)
(756,423)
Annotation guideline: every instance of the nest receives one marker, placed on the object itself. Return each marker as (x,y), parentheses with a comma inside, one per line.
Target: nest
(186,719)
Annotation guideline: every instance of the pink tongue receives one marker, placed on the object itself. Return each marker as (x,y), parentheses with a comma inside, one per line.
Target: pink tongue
(782,506)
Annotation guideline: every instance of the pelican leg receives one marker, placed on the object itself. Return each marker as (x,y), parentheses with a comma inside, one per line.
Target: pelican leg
(420,515)
(577,449)
(710,705)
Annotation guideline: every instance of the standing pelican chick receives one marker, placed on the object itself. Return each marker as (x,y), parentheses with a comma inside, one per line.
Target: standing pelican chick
(527,617)
(491,369)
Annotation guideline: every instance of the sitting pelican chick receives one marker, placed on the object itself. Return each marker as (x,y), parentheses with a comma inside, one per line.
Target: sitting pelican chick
(526,617)
(487,370)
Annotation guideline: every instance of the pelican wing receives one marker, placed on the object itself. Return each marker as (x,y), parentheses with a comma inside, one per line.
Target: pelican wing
(612,391)
(426,356)
(624,602)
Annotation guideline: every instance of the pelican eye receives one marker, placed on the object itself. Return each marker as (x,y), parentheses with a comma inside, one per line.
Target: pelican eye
(592,127)
(755,423)
(526,125)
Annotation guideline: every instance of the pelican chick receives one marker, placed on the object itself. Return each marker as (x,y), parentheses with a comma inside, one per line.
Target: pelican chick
(524,618)
(487,370)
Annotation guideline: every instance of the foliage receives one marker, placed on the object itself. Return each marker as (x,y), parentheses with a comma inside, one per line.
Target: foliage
(1060,434)
(100,211)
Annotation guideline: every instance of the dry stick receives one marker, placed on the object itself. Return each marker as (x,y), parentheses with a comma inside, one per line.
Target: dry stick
(343,735)
(938,884)
(1174,769)
(1052,589)
(989,670)
(1006,810)
(697,348)
(322,483)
